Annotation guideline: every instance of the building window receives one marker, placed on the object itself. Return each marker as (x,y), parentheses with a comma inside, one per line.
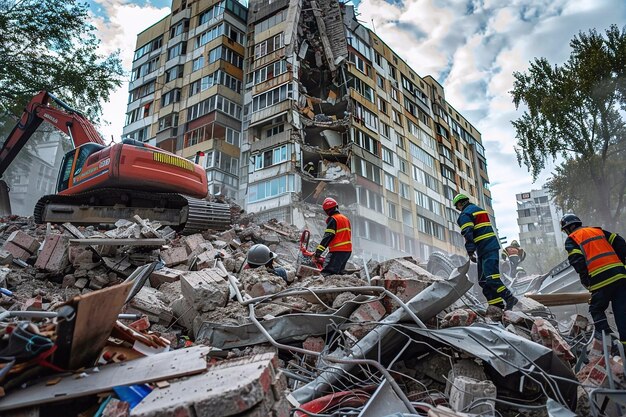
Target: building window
(384,130)
(366,117)
(404,165)
(214,12)
(271,157)
(391,211)
(270,188)
(359,63)
(387,155)
(172,96)
(174,73)
(368,170)
(153,45)
(390,183)
(145,69)
(366,142)
(274,130)
(382,106)
(272,97)
(269,45)
(447,173)
(362,88)
(371,200)
(141,91)
(380,81)
(177,50)
(394,95)
(171,120)
(407,217)
(197,63)
(404,190)
(270,22)
(233,136)
(213,103)
(268,72)
(360,45)
(225,54)
(397,117)
(422,155)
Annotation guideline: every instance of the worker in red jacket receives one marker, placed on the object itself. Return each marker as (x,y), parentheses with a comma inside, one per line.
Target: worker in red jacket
(337,238)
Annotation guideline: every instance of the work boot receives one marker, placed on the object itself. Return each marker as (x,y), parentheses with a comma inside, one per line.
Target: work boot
(510,303)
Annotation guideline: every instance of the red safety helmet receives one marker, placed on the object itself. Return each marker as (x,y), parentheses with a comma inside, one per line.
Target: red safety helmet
(329,203)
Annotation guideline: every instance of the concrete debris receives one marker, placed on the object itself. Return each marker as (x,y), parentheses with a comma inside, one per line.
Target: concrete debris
(343,335)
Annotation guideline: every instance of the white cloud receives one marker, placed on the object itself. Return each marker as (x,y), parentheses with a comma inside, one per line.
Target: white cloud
(473,48)
(118,23)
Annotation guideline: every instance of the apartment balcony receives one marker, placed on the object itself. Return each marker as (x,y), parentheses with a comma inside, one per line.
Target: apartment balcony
(142,80)
(178,60)
(270,112)
(139,124)
(177,39)
(183,14)
(147,57)
(371,215)
(266,59)
(140,102)
(199,29)
(168,133)
(275,140)
(273,82)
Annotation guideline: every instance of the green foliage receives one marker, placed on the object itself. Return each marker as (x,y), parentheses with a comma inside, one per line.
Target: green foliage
(51,45)
(572,112)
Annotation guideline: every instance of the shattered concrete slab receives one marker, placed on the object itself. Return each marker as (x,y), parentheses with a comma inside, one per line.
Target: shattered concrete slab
(230,388)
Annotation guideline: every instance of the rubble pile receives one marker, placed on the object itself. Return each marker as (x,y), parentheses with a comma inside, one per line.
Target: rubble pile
(138,320)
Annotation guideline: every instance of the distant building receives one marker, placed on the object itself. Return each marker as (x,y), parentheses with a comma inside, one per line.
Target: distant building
(538,219)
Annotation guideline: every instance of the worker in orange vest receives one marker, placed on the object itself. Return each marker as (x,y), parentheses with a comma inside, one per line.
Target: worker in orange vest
(598,257)
(337,238)
(515,254)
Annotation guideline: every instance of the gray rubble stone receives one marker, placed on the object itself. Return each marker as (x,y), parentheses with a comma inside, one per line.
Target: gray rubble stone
(205,290)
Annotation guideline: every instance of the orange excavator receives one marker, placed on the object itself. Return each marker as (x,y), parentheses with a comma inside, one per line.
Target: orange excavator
(101,184)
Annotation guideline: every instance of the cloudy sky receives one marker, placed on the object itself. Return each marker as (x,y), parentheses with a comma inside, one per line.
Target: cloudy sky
(471,46)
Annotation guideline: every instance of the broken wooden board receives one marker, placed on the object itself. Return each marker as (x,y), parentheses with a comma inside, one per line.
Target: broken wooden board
(117,242)
(159,367)
(562,299)
(96,314)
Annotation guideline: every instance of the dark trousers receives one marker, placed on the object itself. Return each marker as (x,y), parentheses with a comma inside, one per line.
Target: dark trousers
(494,290)
(616,295)
(335,262)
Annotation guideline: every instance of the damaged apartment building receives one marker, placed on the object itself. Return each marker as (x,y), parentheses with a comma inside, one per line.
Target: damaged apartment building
(316,105)
(331,111)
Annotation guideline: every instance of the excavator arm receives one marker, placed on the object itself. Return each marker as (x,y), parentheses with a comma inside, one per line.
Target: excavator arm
(64,118)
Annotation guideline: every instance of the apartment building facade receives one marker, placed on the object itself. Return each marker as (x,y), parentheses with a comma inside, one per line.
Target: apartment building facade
(185,93)
(325,108)
(331,110)
(539,219)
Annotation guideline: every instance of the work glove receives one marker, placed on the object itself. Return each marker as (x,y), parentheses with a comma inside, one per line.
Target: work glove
(318,254)
(472,257)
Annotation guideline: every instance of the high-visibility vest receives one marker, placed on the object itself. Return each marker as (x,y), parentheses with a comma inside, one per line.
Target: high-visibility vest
(603,264)
(342,242)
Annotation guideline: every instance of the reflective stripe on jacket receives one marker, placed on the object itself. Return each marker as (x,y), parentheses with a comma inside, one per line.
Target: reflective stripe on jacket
(342,241)
(603,264)
(477,230)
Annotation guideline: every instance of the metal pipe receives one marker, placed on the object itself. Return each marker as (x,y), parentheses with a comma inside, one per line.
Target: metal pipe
(369,362)
(364,289)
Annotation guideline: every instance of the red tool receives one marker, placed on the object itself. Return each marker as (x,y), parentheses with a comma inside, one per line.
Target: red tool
(307,254)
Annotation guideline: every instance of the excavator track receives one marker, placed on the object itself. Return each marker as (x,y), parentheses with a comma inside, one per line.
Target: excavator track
(106,206)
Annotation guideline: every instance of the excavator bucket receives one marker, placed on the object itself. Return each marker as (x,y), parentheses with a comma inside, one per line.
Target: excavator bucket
(5,202)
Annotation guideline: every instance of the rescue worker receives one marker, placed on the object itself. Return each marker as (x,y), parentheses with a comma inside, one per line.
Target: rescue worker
(337,238)
(482,247)
(260,255)
(515,254)
(598,257)
(310,169)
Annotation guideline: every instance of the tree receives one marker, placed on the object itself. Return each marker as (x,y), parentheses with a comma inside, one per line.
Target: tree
(575,112)
(50,45)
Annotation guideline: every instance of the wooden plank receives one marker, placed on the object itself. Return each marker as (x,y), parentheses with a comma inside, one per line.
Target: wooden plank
(318,190)
(118,242)
(560,299)
(159,367)
(73,230)
(96,314)
(273,229)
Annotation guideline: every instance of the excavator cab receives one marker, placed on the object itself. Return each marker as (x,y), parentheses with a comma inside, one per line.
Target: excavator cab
(73,163)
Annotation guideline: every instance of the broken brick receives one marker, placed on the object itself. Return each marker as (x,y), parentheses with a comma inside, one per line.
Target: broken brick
(193,242)
(148,301)
(24,241)
(68,281)
(372,311)
(34,304)
(174,256)
(163,275)
(54,255)
(315,344)
(15,251)
(5,257)
(543,332)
